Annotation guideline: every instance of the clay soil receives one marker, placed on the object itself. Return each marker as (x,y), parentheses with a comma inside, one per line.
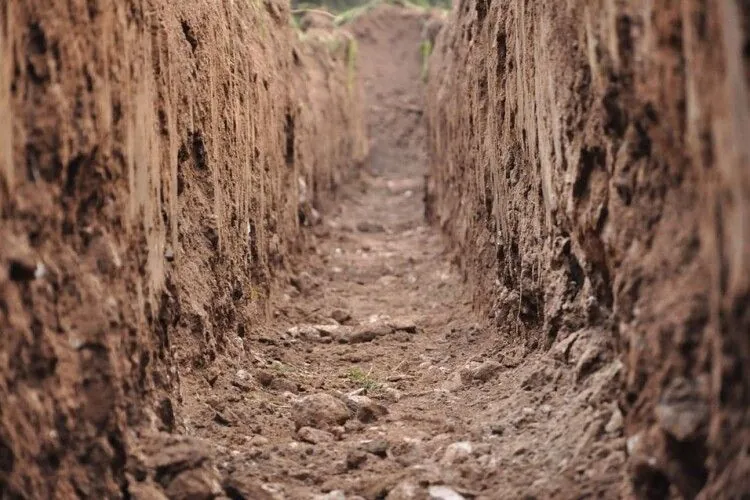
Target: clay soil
(377,316)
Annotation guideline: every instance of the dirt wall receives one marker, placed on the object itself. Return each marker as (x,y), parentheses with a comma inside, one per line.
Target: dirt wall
(590,161)
(150,165)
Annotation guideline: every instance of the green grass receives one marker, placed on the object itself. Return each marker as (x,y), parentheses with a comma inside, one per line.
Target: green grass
(363,380)
(426,49)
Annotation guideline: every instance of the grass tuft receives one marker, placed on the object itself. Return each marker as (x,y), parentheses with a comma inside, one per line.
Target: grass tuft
(363,380)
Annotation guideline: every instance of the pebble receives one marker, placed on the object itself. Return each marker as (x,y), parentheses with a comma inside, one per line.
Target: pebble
(314,436)
(486,370)
(403,325)
(378,447)
(457,452)
(331,495)
(615,423)
(365,408)
(440,492)
(355,459)
(405,490)
(319,411)
(341,315)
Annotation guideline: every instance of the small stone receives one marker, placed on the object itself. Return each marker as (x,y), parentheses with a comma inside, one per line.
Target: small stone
(319,411)
(615,423)
(331,495)
(169,254)
(405,490)
(440,492)
(341,315)
(355,459)
(682,411)
(284,385)
(403,325)
(264,378)
(314,436)
(378,447)
(391,394)
(365,408)
(259,440)
(497,429)
(327,330)
(486,370)
(194,484)
(306,332)
(457,453)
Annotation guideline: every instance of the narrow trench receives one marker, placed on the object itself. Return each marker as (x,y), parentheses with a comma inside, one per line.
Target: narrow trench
(378,380)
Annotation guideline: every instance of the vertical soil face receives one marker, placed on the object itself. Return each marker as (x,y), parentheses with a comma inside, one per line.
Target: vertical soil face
(591,164)
(149,186)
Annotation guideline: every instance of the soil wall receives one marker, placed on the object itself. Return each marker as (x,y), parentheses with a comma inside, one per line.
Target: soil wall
(590,160)
(150,162)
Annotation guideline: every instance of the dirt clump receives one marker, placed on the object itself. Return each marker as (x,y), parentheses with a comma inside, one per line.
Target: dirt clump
(590,166)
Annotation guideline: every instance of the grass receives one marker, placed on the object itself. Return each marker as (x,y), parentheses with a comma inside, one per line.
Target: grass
(363,380)
(426,49)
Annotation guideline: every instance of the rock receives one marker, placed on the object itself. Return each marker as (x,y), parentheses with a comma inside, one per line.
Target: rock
(307,332)
(497,429)
(259,440)
(264,378)
(319,411)
(327,330)
(457,453)
(378,447)
(284,385)
(144,491)
(195,484)
(486,370)
(331,495)
(615,423)
(440,492)
(355,459)
(391,394)
(369,227)
(405,490)
(365,408)
(303,282)
(169,253)
(367,333)
(403,325)
(682,412)
(245,486)
(341,315)
(314,436)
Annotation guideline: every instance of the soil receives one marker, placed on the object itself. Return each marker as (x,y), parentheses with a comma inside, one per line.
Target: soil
(527,279)
(378,308)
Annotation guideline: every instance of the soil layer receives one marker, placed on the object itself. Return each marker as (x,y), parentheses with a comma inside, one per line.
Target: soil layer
(591,164)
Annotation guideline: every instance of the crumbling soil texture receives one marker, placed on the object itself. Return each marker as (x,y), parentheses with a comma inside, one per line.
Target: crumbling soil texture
(590,161)
(155,160)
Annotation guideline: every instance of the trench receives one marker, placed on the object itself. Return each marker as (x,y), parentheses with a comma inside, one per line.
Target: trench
(493,253)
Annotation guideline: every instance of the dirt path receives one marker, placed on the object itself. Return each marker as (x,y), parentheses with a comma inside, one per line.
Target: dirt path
(377,380)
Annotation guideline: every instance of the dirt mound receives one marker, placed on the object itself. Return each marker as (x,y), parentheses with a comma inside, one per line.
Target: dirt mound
(591,166)
(149,186)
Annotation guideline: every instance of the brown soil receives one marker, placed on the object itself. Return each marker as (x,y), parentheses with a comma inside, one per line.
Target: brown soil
(212,286)
(452,404)
(582,160)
